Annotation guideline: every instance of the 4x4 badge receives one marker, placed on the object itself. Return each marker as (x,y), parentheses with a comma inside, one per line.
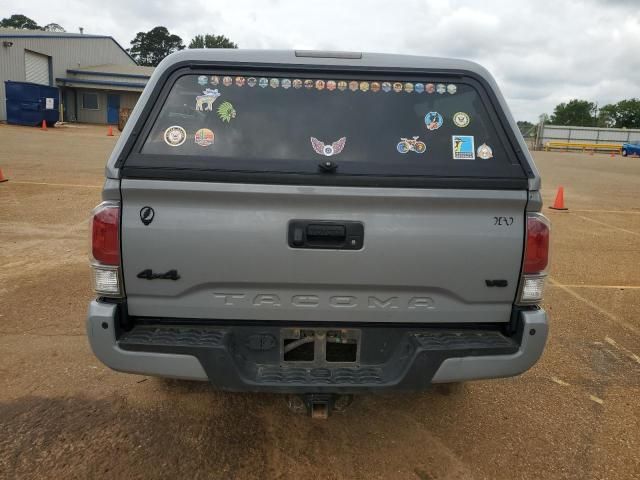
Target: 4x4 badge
(146,215)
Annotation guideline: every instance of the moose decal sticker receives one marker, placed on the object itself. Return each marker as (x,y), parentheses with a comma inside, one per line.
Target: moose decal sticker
(328,150)
(204,102)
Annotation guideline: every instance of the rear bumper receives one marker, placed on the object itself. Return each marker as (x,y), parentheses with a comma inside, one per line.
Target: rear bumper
(237,358)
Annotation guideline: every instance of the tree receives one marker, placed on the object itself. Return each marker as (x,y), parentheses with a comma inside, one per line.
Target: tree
(579,113)
(624,114)
(19,21)
(53,27)
(211,41)
(149,48)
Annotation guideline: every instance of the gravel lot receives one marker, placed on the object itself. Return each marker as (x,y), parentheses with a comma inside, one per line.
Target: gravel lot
(576,414)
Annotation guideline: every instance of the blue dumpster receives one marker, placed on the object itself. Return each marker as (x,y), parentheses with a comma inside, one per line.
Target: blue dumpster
(30,103)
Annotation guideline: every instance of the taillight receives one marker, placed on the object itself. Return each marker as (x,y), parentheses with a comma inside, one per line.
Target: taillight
(105,249)
(536,259)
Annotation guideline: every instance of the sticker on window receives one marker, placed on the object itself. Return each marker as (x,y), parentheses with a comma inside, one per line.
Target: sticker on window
(485,152)
(463,148)
(204,137)
(204,102)
(461,119)
(411,145)
(226,112)
(175,136)
(433,120)
(202,80)
(328,150)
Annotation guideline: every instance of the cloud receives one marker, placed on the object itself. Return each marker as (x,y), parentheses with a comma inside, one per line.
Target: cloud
(540,51)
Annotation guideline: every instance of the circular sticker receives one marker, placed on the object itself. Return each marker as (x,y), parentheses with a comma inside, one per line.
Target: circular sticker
(451,88)
(204,137)
(240,81)
(297,83)
(485,152)
(353,85)
(331,85)
(227,81)
(375,86)
(386,87)
(419,87)
(461,119)
(275,83)
(397,87)
(408,87)
(440,88)
(203,80)
(308,84)
(320,84)
(286,83)
(430,87)
(175,136)
(214,80)
(364,86)
(263,82)
(252,82)
(433,120)
(342,85)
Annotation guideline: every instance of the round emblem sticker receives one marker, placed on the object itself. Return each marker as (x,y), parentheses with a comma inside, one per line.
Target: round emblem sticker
(263,82)
(461,119)
(433,120)
(353,85)
(204,137)
(175,136)
(419,87)
(274,82)
(364,86)
(484,152)
(240,81)
(215,80)
(408,87)
(451,88)
(203,80)
(252,82)
(440,88)
(331,85)
(227,81)
(286,83)
(297,83)
(342,85)
(375,86)
(397,87)
(430,88)
(320,84)
(308,84)
(386,87)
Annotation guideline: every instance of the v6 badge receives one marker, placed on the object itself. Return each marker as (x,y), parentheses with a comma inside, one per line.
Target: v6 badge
(146,215)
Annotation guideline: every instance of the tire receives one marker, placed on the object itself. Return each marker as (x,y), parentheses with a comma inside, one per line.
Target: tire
(402,147)
(624,152)
(420,147)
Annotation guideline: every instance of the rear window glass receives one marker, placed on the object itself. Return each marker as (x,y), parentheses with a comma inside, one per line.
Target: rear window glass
(378,126)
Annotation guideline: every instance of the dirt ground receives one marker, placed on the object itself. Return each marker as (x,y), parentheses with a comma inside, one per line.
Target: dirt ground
(575,415)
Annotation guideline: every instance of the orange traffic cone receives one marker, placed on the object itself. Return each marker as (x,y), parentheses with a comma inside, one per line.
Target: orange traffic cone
(44,125)
(110,131)
(2,177)
(559,202)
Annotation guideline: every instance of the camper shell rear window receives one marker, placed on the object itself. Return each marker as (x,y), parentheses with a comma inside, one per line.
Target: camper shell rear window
(365,125)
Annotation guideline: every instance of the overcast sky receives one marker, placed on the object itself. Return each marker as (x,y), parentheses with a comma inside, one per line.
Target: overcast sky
(541,52)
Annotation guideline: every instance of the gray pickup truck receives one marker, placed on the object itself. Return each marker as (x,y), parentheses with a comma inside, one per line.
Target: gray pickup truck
(319,223)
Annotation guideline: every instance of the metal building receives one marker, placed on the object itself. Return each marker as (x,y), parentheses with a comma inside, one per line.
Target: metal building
(95,76)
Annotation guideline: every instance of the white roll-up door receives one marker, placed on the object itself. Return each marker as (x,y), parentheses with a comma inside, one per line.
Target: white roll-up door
(36,67)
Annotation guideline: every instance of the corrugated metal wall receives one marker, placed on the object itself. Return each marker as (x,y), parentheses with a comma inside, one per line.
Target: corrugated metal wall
(66,53)
(588,135)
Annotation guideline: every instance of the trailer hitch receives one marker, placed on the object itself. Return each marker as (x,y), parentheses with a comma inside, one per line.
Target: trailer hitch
(318,405)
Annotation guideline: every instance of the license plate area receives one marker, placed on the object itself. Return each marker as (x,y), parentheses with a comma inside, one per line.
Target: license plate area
(320,346)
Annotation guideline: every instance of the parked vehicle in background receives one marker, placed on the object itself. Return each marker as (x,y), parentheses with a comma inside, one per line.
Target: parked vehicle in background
(632,148)
(319,223)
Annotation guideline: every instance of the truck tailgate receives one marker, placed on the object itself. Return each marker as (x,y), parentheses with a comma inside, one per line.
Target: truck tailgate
(427,254)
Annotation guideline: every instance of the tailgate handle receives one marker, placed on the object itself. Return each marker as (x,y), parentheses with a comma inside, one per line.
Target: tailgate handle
(326,234)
